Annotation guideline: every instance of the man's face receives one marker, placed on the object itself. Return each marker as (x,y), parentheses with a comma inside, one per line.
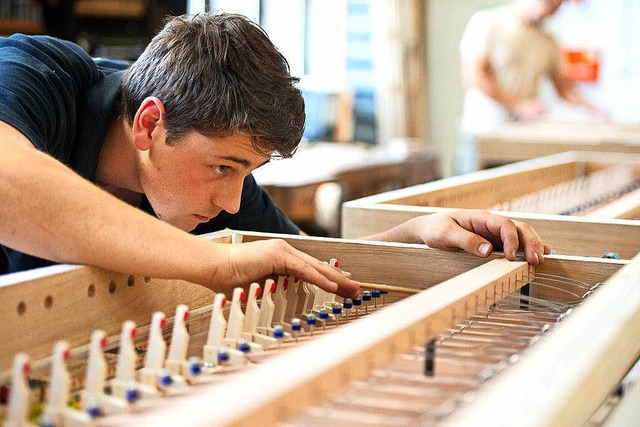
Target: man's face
(197,177)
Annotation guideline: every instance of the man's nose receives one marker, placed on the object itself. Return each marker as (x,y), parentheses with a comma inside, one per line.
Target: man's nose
(229,198)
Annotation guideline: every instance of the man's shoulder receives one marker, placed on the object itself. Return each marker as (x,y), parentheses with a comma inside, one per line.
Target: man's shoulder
(41,45)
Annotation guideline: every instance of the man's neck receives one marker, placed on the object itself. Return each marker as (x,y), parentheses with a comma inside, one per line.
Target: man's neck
(117,164)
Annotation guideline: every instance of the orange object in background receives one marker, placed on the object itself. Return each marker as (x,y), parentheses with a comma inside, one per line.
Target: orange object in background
(582,65)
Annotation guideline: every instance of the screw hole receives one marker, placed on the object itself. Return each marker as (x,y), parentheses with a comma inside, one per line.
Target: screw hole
(22,307)
(147,279)
(91,291)
(112,287)
(131,281)
(48,301)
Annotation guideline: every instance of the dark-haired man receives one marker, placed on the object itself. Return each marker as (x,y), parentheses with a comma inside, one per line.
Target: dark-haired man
(89,148)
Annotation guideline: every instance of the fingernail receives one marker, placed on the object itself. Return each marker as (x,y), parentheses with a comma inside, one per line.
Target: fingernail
(514,254)
(483,249)
(535,255)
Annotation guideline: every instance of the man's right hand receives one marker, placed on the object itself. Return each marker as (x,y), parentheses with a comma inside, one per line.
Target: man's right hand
(247,262)
(528,110)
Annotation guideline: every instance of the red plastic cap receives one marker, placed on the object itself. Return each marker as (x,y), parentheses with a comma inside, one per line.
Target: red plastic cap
(258,291)
(26,368)
(242,296)
(103,342)
(285,283)
(336,264)
(66,355)
(163,323)
(273,287)
(134,333)
(186,316)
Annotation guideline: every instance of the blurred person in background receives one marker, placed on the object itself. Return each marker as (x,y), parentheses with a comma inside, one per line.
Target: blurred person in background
(505,56)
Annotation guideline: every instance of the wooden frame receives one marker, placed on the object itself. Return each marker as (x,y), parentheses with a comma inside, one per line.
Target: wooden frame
(522,141)
(308,373)
(587,235)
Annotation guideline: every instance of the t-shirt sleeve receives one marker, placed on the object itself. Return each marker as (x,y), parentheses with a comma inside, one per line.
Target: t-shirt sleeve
(257,213)
(476,36)
(41,79)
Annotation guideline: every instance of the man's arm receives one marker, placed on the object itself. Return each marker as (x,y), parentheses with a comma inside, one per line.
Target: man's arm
(475,231)
(51,212)
(477,72)
(567,91)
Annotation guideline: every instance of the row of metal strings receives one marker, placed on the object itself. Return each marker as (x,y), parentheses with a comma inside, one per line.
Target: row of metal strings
(424,386)
(112,374)
(577,196)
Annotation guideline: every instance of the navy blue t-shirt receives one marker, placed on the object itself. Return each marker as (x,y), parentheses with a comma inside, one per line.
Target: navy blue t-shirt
(63,101)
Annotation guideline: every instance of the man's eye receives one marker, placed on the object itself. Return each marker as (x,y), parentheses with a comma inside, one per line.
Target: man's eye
(220,168)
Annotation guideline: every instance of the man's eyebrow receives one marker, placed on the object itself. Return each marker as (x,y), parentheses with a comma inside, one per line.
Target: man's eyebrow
(244,162)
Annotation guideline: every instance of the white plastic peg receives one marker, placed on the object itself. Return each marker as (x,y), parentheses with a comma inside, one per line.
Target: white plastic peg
(94,400)
(124,384)
(152,374)
(179,341)
(236,317)
(217,330)
(279,300)
(266,308)
(252,311)
(19,397)
(57,412)
(292,298)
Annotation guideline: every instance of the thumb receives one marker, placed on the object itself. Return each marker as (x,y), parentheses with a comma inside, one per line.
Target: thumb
(470,242)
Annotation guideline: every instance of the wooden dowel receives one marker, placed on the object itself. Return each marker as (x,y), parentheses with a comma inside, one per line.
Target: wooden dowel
(389,288)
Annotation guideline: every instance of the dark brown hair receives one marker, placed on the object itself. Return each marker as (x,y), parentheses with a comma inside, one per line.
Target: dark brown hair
(218,74)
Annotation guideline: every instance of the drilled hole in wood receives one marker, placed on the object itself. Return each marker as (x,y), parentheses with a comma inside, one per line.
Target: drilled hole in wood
(131,281)
(48,301)
(22,307)
(112,287)
(91,291)
(147,279)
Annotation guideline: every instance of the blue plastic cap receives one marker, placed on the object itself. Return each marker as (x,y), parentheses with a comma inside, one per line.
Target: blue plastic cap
(93,411)
(195,369)
(132,395)
(166,380)
(223,356)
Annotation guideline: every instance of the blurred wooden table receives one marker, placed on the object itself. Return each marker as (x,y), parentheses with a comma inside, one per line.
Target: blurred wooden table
(522,141)
(359,170)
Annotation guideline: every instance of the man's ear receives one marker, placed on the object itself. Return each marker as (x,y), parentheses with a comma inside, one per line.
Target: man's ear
(148,123)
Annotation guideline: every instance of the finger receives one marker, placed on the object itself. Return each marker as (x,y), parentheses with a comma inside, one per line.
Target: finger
(531,244)
(470,242)
(495,227)
(510,238)
(323,275)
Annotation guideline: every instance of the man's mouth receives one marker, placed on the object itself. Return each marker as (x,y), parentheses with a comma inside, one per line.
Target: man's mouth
(202,218)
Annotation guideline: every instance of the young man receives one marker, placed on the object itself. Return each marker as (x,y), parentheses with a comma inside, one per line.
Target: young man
(89,148)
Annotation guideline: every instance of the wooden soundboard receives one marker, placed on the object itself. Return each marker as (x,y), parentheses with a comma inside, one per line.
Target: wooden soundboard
(613,227)
(571,371)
